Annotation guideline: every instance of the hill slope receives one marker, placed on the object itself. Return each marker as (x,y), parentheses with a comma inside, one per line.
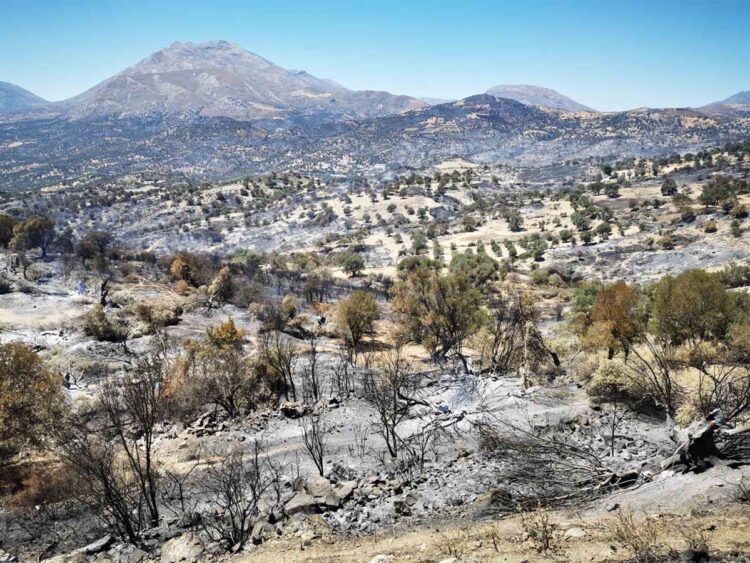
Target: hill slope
(480,128)
(536,96)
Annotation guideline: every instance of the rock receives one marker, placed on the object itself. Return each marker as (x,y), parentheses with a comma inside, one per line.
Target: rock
(301,503)
(308,537)
(6,557)
(575,533)
(613,506)
(317,486)
(344,489)
(263,531)
(187,547)
(382,558)
(99,545)
(331,501)
(294,410)
(136,556)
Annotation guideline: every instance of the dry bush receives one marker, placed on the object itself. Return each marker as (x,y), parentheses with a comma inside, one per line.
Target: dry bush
(182,287)
(586,365)
(639,536)
(538,528)
(97,324)
(42,485)
(742,494)
(158,315)
(549,465)
(454,543)
(694,536)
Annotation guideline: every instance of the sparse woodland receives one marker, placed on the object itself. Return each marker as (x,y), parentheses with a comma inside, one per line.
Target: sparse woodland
(213,370)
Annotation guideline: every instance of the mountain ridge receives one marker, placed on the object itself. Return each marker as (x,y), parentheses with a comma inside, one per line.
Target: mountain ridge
(14,98)
(537,96)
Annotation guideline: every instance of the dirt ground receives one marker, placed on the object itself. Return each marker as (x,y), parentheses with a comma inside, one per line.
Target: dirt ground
(578,538)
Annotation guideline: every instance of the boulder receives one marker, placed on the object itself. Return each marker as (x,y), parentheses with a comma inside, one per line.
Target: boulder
(6,557)
(187,547)
(294,410)
(301,503)
(344,489)
(318,487)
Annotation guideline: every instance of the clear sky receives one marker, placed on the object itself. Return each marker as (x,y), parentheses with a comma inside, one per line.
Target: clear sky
(608,54)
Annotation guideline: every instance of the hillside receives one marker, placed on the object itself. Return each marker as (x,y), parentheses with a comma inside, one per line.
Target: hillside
(536,96)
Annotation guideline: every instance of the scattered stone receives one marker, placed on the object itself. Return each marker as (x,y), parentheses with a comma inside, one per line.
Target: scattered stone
(382,558)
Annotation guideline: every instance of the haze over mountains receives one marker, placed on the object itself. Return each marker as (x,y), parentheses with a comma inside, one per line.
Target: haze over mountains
(208,110)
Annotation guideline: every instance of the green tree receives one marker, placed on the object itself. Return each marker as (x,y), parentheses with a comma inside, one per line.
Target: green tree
(440,312)
(356,316)
(39,231)
(352,263)
(6,229)
(478,268)
(694,305)
(31,398)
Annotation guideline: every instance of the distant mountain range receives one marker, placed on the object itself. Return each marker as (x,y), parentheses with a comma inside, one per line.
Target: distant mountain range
(212,110)
(15,99)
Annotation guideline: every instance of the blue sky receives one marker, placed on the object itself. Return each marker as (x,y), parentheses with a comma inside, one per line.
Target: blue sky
(611,55)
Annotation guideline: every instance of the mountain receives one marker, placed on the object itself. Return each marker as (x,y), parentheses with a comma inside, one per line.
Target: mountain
(738,104)
(15,99)
(536,96)
(482,128)
(486,129)
(221,79)
(435,101)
